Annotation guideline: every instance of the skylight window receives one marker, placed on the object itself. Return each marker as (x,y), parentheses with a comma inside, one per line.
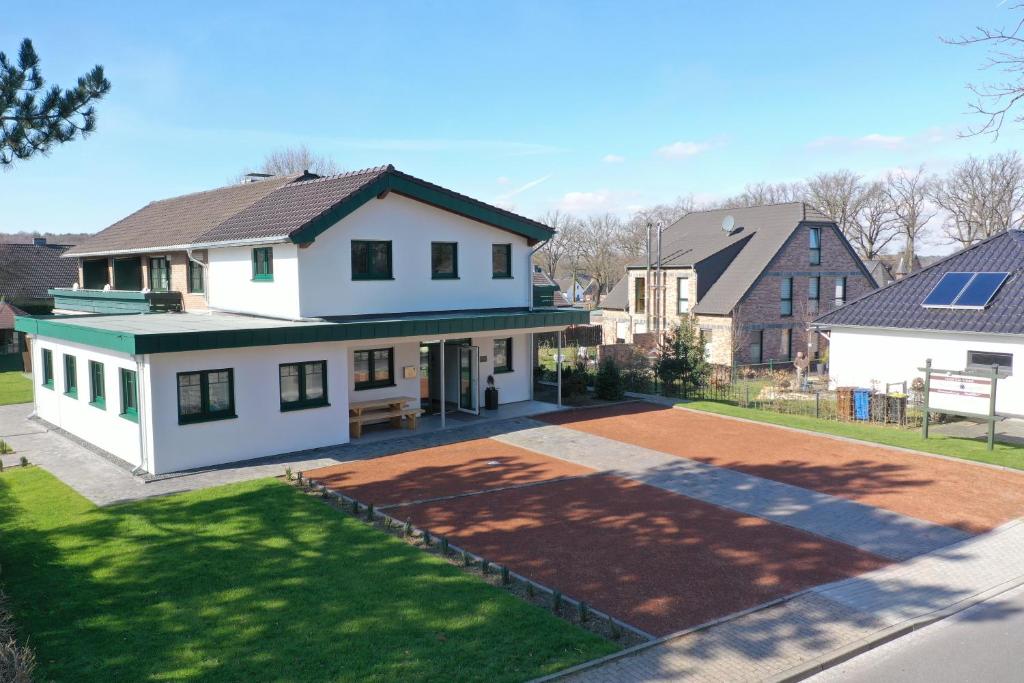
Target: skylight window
(965,290)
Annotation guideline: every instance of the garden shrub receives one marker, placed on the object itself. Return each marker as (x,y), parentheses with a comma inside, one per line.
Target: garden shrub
(609,384)
(16,661)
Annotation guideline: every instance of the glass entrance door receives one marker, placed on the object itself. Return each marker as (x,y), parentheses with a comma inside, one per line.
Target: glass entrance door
(469,371)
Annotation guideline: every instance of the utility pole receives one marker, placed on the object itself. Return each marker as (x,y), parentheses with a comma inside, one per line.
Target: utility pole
(661,289)
(647,281)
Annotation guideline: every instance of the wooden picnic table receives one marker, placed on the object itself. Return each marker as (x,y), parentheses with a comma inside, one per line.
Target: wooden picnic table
(390,408)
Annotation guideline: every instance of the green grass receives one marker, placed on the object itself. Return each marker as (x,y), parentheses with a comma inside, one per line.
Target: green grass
(253,581)
(1007,455)
(15,387)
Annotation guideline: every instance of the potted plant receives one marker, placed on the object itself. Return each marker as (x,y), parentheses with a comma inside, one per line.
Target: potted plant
(491,394)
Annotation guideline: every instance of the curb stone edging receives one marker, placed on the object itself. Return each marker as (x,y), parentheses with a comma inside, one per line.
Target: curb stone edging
(887,635)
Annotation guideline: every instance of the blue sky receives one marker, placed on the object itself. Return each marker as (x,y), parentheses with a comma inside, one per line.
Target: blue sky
(589,106)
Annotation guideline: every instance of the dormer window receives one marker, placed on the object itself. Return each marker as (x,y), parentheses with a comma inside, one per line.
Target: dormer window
(815,245)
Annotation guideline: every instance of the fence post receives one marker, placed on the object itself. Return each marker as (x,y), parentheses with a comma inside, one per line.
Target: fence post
(992,408)
(747,404)
(771,365)
(927,385)
(817,404)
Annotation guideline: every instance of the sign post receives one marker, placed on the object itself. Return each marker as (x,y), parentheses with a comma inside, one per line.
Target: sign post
(961,392)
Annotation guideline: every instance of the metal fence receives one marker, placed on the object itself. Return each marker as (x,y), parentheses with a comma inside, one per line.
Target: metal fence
(778,390)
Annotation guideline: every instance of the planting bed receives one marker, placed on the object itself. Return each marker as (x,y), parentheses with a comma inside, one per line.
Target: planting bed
(961,495)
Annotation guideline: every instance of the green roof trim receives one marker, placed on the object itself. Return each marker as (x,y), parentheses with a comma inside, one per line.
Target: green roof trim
(426,326)
(400,183)
(61,328)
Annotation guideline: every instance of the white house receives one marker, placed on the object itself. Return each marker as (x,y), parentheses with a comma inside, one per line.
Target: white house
(963,312)
(243,322)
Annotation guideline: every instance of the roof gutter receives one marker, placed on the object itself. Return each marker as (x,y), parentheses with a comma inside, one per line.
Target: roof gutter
(180,247)
(832,326)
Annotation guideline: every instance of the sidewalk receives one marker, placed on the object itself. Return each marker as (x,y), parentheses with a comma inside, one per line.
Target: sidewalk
(796,638)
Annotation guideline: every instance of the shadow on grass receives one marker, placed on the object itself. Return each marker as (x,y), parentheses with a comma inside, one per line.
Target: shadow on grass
(253,582)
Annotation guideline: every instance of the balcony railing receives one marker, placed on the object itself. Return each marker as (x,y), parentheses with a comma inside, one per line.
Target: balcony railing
(114,300)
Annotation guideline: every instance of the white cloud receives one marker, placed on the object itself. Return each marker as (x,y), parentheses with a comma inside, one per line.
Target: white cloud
(882,140)
(682,150)
(871,140)
(503,180)
(613,159)
(585,202)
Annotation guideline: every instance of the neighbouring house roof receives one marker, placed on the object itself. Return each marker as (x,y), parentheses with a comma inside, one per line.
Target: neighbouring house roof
(618,298)
(27,271)
(293,208)
(898,305)
(541,279)
(7,314)
(174,332)
(879,271)
(759,233)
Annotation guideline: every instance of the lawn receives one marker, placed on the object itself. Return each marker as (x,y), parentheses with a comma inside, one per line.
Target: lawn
(253,581)
(1007,455)
(15,387)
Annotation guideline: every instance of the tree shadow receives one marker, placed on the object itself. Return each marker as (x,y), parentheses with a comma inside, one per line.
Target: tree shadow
(254,581)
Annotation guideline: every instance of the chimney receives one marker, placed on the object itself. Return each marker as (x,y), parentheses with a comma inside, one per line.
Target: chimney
(39,241)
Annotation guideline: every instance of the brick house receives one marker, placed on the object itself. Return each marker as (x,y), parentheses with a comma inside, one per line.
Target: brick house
(752,278)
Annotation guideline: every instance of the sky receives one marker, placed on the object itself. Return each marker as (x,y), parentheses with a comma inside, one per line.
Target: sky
(586,107)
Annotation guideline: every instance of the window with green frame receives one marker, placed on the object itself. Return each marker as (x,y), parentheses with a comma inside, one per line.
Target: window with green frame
(303,385)
(206,395)
(501,261)
(70,376)
(371,260)
(373,368)
(159,274)
(263,264)
(97,391)
(48,368)
(129,395)
(196,285)
(444,260)
(503,355)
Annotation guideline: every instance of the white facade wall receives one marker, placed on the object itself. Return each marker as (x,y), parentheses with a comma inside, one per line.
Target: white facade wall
(325,266)
(102,427)
(862,357)
(261,428)
(230,285)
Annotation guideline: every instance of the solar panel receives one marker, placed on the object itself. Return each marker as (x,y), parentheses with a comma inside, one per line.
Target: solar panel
(980,290)
(945,292)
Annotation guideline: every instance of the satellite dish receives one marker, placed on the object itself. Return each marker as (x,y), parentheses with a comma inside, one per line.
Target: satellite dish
(728,223)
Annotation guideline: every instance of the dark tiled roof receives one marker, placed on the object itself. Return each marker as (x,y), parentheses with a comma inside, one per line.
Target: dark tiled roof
(178,221)
(764,230)
(899,304)
(617,299)
(277,208)
(283,212)
(28,270)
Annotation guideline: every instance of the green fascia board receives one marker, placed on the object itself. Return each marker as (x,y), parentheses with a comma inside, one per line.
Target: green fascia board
(172,342)
(403,185)
(58,328)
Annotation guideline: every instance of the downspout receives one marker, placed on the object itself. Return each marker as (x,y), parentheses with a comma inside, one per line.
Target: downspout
(529,274)
(140,388)
(647,285)
(660,324)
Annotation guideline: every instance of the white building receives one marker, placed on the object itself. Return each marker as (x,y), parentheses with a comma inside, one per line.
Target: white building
(297,299)
(963,312)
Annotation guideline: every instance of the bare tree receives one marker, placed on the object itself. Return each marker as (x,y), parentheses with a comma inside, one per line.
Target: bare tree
(993,101)
(633,235)
(981,197)
(908,195)
(565,239)
(760,194)
(875,223)
(599,252)
(840,196)
(288,160)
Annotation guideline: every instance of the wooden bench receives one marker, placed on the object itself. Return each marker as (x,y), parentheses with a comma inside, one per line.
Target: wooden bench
(374,411)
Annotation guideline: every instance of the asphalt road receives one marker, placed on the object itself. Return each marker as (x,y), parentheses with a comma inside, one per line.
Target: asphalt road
(982,643)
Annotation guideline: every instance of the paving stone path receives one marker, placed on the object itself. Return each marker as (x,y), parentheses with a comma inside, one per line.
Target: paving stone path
(784,640)
(885,533)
